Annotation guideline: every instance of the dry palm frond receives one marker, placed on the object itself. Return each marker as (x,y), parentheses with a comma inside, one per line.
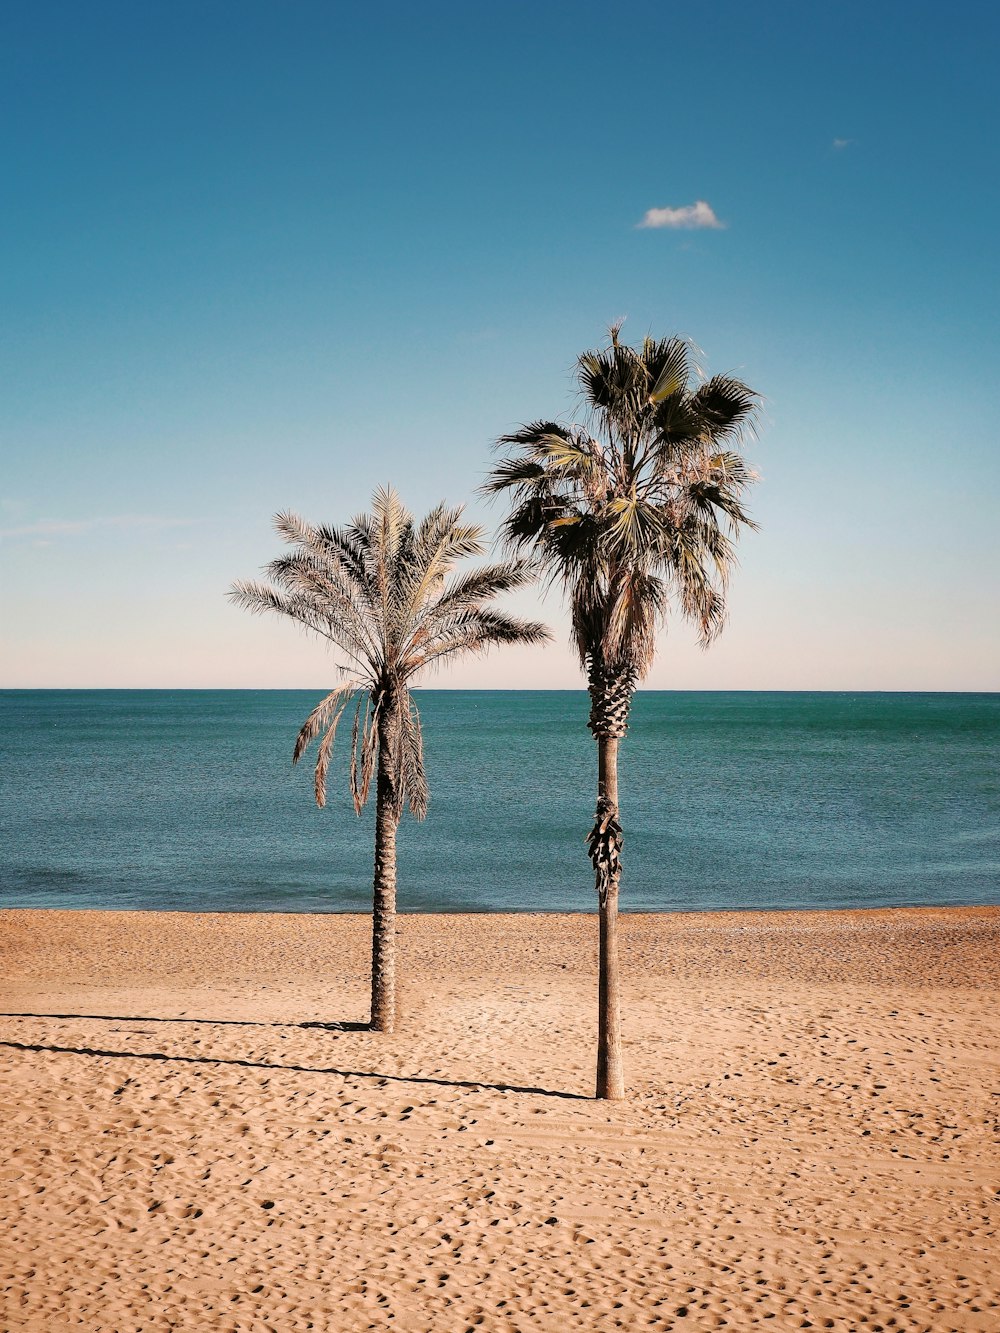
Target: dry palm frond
(383,591)
(323,718)
(411,761)
(604,847)
(364,746)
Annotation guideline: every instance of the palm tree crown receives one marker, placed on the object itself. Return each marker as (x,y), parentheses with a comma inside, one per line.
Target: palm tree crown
(378,589)
(645,506)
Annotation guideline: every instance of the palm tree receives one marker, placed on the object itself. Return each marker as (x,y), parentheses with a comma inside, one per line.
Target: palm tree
(379,591)
(625,519)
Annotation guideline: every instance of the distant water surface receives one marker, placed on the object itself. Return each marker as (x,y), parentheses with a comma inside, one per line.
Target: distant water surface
(187,800)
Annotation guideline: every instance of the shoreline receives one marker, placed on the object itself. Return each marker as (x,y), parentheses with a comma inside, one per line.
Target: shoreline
(530,911)
(201,1132)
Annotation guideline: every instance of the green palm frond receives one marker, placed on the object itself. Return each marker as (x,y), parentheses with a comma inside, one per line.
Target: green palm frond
(528,524)
(712,499)
(675,427)
(643,505)
(668,362)
(725,406)
(513,472)
(530,436)
(633,529)
(567,455)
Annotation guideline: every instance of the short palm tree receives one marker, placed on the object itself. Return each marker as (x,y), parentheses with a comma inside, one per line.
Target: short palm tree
(642,510)
(379,591)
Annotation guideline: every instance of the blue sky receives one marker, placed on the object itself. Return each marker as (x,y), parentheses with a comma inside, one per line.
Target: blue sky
(258,256)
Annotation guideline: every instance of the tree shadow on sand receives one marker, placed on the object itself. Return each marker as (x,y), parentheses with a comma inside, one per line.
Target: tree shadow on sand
(210,1022)
(162,1056)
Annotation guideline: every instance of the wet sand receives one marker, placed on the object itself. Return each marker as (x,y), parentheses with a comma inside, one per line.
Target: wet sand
(811,1138)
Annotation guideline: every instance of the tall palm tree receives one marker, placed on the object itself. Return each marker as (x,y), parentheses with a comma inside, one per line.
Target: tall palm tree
(639,512)
(379,591)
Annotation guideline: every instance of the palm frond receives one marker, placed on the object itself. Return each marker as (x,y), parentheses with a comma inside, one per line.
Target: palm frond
(323,761)
(329,707)
(531,436)
(732,468)
(260,597)
(710,497)
(364,747)
(632,617)
(476,633)
(441,540)
(412,778)
(634,528)
(725,406)
(363,702)
(255,597)
(528,524)
(701,602)
(327,546)
(668,364)
(567,454)
(676,427)
(295,530)
(389,525)
(479,585)
(311,615)
(512,472)
(333,594)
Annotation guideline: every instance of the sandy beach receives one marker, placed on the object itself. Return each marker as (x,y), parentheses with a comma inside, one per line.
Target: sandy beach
(200,1134)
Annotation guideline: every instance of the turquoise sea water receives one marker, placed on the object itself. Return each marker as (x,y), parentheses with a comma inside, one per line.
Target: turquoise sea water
(188,800)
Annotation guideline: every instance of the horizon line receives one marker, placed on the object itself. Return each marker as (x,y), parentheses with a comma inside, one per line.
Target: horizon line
(460,689)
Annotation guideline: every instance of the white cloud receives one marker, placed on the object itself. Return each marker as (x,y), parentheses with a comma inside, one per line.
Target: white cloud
(59,527)
(841,144)
(691,216)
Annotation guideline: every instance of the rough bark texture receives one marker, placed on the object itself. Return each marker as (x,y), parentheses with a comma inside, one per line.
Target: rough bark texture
(384,891)
(610,700)
(605,844)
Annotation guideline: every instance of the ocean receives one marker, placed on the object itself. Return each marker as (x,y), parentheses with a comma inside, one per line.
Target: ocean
(187,799)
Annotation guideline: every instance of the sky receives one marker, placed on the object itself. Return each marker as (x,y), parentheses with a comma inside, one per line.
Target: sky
(261,256)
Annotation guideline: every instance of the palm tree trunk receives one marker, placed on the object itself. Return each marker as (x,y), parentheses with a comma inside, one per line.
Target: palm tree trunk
(384,894)
(610,1067)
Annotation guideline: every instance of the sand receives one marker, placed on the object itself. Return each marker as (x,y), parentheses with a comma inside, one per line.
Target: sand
(811,1138)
